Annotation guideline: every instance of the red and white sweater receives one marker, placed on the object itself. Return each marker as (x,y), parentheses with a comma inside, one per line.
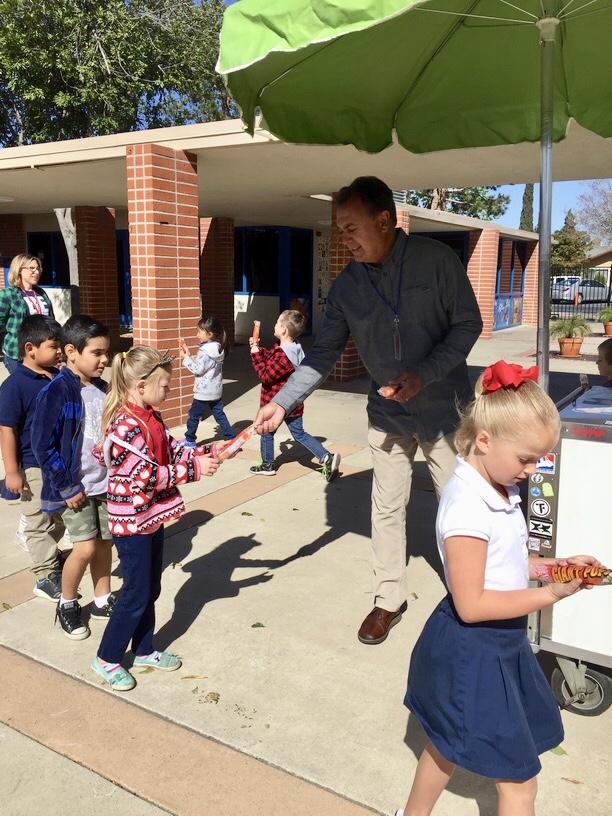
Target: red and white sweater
(143,494)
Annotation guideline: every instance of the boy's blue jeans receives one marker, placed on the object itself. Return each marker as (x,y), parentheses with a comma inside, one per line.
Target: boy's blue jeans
(197,411)
(133,618)
(296,429)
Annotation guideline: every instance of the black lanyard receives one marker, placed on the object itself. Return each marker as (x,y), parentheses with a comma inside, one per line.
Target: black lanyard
(397,339)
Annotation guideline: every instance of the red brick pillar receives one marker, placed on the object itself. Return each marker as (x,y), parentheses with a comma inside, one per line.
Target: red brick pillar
(530,295)
(403,220)
(97,254)
(164,257)
(482,272)
(217,271)
(350,365)
(12,238)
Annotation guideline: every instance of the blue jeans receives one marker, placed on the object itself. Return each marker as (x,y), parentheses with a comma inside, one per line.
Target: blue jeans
(296,429)
(197,411)
(133,618)
(10,363)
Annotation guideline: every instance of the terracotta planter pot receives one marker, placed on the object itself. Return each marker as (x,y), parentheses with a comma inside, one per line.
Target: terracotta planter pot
(607,328)
(570,346)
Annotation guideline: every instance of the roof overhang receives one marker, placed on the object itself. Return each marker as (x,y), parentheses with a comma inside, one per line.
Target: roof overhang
(260,180)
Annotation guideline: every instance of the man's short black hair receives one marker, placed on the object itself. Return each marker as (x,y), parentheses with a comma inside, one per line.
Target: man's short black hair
(78,330)
(35,329)
(373,194)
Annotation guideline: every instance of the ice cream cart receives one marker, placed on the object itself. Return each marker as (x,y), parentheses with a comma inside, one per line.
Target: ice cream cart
(570,512)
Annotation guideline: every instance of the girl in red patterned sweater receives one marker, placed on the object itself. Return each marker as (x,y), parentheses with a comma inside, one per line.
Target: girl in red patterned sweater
(145,465)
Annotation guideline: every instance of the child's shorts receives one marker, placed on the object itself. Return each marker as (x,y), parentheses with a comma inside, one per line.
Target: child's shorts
(90,520)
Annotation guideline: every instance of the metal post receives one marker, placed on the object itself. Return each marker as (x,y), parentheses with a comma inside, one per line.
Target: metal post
(547,27)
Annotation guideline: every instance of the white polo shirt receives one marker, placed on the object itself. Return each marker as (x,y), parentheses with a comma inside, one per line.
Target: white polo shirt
(469,506)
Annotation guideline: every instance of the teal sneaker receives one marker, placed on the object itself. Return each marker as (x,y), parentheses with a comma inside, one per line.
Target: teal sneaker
(164,661)
(329,466)
(115,675)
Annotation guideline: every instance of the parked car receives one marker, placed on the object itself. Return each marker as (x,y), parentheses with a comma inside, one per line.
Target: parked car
(587,290)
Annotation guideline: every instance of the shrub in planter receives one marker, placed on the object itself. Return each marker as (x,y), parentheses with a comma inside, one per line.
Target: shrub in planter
(605,317)
(570,332)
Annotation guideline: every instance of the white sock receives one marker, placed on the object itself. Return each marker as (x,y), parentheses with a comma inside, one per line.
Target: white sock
(63,600)
(101,600)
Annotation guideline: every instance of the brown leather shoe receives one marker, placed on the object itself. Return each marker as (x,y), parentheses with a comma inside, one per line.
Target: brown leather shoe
(375,627)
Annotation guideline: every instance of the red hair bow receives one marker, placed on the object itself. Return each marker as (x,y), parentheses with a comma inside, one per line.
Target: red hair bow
(502,374)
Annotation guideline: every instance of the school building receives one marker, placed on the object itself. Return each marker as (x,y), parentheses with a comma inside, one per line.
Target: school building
(174,222)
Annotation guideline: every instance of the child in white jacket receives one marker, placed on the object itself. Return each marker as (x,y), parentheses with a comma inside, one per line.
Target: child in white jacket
(207,367)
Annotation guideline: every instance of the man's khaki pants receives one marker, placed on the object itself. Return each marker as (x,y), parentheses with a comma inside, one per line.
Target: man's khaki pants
(393,460)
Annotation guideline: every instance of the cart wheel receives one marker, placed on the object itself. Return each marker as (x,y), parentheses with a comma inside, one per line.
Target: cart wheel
(598,696)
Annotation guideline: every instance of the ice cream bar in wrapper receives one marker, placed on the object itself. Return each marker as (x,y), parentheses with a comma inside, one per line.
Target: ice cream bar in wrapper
(223,450)
(557,574)
(183,346)
(256,327)
(387,391)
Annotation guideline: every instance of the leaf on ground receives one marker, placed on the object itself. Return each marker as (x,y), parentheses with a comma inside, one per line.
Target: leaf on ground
(559,751)
(6,606)
(244,513)
(176,564)
(258,625)
(414,596)
(262,519)
(147,670)
(194,677)
(573,781)
(211,697)
(195,690)
(295,508)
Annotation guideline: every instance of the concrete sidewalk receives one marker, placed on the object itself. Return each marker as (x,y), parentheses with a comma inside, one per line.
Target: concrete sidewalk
(278,709)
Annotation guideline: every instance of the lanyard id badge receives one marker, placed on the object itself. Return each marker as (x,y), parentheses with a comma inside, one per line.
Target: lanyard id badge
(397,337)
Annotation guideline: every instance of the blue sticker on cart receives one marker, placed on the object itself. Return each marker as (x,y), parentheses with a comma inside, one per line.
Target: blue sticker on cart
(547,463)
(535,491)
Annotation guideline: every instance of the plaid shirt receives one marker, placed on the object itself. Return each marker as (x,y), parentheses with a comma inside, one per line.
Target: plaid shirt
(13,311)
(274,368)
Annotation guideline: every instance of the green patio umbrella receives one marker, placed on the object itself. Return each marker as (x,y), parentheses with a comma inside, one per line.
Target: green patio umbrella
(433,74)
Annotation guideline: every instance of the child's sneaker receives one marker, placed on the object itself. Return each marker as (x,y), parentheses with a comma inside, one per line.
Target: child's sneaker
(69,616)
(187,443)
(115,675)
(49,587)
(164,661)
(264,469)
(21,541)
(103,613)
(329,466)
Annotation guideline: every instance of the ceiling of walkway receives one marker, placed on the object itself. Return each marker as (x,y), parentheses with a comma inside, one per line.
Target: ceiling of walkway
(262,181)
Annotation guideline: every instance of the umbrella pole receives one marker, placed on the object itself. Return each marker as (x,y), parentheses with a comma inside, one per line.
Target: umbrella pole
(548,28)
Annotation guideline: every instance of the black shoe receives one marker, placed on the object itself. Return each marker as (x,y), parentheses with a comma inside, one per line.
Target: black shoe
(264,469)
(49,587)
(69,616)
(329,466)
(103,612)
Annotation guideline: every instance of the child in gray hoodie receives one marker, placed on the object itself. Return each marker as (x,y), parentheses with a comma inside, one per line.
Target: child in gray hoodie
(207,367)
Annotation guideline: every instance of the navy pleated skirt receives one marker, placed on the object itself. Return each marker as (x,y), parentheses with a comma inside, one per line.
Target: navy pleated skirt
(481,696)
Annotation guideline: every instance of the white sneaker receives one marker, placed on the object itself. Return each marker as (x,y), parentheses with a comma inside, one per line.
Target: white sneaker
(21,541)
(399,813)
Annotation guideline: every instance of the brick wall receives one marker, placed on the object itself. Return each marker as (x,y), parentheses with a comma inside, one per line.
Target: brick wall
(217,270)
(350,365)
(164,257)
(97,255)
(12,238)
(482,271)
(530,297)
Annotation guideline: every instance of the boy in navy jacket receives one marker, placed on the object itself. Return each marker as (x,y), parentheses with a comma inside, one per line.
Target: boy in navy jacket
(66,428)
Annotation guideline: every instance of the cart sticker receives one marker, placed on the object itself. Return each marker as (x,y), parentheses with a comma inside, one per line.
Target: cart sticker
(547,463)
(540,507)
(534,544)
(541,527)
(537,478)
(535,491)
(546,545)
(547,489)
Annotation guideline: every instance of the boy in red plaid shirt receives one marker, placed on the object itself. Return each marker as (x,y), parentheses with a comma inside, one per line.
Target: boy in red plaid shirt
(274,367)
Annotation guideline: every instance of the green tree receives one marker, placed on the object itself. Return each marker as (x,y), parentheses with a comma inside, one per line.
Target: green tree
(572,245)
(477,202)
(75,68)
(526,222)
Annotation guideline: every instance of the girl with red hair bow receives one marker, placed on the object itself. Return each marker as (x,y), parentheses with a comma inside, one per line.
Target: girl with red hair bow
(474,683)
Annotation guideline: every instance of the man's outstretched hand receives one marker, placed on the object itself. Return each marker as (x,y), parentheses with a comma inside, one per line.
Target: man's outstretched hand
(269,418)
